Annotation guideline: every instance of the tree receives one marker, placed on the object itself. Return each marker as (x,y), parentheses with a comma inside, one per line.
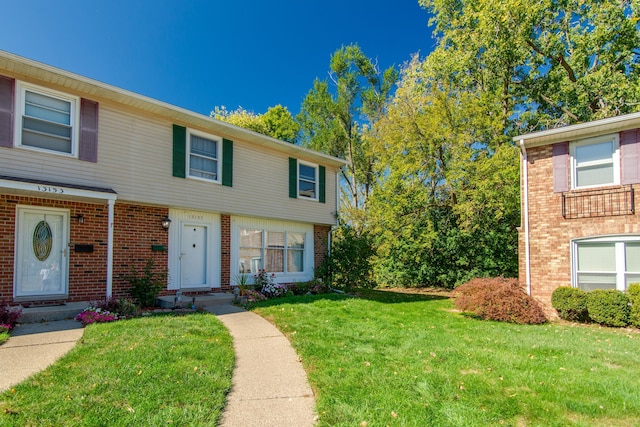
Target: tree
(277,122)
(337,118)
(447,205)
(553,62)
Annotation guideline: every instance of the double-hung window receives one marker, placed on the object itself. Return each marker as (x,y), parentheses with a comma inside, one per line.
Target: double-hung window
(606,262)
(48,120)
(273,251)
(307,180)
(204,156)
(595,162)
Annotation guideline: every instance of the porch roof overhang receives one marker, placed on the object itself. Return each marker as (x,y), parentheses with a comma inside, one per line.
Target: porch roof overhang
(56,190)
(580,131)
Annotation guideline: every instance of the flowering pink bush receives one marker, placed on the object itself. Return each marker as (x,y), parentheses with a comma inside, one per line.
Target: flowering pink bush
(9,317)
(95,315)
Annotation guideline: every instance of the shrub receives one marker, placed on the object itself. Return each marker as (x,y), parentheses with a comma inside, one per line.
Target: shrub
(570,303)
(633,291)
(608,307)
(314,286)
(9,316)
(95,315)
(146,287)
(350,262)
(123,307)
(498,299)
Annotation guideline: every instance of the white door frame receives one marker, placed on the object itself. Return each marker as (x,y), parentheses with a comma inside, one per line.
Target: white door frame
(24,238)
(209,220)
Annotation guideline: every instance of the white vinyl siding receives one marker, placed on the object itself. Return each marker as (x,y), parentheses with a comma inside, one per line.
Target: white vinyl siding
(606,262)
(48,120)
(595,162)
(136,161)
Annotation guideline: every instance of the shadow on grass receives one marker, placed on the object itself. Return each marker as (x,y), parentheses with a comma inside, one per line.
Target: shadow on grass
(381,296)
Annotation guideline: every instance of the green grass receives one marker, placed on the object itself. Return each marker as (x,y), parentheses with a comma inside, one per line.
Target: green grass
(410,360)
(159,370)
(4,336)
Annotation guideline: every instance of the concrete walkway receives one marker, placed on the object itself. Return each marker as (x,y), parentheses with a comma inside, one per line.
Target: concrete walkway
(34,346)
(270,387)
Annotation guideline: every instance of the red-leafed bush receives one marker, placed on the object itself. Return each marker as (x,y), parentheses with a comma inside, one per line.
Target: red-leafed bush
(498,299)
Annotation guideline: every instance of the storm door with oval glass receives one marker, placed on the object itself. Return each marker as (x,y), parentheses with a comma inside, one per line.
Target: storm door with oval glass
(41,252)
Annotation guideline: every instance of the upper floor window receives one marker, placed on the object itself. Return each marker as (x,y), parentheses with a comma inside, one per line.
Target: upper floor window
(204,156)
(48,120)
(307,180)
(595,162)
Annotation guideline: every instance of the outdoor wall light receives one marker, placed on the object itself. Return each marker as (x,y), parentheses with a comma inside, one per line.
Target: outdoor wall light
(79,218)
(166,222)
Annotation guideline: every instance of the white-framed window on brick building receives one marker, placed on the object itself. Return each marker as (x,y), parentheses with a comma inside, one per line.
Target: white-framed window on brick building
(48,120)
(611,262)
(595,162)
(272,251)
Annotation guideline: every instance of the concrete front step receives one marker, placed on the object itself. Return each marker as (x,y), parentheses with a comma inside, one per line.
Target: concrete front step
(51,313)
(186,301)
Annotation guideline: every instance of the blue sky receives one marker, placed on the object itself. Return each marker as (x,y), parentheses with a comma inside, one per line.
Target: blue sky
(198,54)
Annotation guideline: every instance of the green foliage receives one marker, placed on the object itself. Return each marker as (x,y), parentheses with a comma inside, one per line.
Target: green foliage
(339,120)
(608,307)
(399,359)
(277,122)
(633,292)
(349,265)
(571,304)
(498,299)
(150,371)
(146,285)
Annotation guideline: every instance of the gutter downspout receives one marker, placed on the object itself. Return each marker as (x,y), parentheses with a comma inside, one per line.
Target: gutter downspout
(527,256)
(110,249)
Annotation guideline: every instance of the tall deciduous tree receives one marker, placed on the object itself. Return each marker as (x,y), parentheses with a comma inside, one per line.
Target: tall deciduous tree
(337,116)
(448,204)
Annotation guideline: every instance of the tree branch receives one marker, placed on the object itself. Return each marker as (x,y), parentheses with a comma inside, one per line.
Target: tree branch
(560,59)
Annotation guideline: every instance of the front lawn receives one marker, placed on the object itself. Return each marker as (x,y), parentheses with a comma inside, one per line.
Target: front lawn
(410,360)
(159,370)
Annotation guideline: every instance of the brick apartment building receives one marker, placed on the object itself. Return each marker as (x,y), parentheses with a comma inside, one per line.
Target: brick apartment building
(95,180)
(579,225)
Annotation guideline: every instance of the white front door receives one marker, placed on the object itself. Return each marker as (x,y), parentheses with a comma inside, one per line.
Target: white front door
(41,252)
(193,256)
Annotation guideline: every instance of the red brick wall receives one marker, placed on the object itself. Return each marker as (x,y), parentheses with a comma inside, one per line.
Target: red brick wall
(225,252)
(87,271)
(550,234)
(320,242)
(136,229)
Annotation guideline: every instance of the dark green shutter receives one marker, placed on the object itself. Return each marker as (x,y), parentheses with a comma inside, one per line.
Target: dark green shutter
(321,184)
(293,178)
(179,151)
(227,162)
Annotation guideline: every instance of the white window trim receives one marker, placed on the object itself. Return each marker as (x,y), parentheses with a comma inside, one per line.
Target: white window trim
(619,241)
(218,141)
(317,180)
(591,141)
(21,88)
(238,223)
